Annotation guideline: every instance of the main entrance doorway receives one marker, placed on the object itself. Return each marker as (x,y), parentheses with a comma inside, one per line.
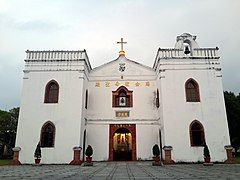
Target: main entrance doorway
(122,142)
(122,145)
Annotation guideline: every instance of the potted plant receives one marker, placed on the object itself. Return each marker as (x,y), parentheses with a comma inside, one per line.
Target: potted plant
(89,153)
(156,157)
(37,154)
(206,153)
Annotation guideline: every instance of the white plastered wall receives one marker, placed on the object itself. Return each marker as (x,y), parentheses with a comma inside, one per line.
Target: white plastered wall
(143,113)
(65,115)
(98,138)
(178,114)
(146,137)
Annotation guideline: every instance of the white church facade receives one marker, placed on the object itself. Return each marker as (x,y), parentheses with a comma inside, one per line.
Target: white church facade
(123,108)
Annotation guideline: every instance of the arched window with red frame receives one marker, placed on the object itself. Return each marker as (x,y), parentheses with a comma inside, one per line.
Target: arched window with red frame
(51,92)
(122,97)
(192,91)
(48,135)
(197,136)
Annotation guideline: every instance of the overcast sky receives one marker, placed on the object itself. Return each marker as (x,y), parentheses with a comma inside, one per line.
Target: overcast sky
(96,25)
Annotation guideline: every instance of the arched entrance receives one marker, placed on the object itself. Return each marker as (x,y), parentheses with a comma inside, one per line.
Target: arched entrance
(122,142)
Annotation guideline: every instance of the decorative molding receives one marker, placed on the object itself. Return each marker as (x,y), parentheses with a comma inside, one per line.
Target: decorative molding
(16,149)
(107,120)
(167,148)
(58,56)
(121,121)
(77,148)
(207,68)
(228,147)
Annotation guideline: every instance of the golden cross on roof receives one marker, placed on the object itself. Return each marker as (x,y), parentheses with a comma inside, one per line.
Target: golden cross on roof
(122,42)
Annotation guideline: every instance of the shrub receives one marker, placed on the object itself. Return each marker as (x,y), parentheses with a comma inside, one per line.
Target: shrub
(156,150)
(89,151)
(37,153)
(206,152)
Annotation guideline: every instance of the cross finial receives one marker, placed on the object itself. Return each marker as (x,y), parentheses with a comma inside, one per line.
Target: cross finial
(122,51)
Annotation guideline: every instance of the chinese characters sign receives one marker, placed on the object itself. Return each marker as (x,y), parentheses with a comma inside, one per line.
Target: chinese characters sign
(122,113)
(125,83)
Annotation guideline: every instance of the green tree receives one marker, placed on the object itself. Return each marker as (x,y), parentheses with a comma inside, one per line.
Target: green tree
(232,103)
(8,128)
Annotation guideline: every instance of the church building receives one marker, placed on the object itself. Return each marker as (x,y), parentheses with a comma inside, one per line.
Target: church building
(123,108)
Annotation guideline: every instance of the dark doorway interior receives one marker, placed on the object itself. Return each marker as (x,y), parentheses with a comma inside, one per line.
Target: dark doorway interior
(84,144)
(122,145)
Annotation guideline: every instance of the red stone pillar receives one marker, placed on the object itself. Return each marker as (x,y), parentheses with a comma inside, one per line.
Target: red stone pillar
(76,156)
(134,158)
(229,160)
(15,160)
(168,155)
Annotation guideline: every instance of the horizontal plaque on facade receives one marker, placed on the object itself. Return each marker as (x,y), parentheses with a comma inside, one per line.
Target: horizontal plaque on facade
(122,113)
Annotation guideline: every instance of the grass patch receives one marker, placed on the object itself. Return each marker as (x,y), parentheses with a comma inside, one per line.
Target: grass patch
(237,160)
(4,162)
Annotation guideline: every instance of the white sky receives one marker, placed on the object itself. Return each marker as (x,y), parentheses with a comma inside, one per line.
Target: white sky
(96,25)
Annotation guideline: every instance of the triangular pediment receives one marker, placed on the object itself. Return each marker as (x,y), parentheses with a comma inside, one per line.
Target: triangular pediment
(122,66)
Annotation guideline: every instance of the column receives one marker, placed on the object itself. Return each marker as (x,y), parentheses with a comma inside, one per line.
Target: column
(15,160)
(168,155)
(229,149)
(76,156)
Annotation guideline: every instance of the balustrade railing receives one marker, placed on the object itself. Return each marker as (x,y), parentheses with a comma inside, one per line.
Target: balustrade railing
(55,55)
(195,53)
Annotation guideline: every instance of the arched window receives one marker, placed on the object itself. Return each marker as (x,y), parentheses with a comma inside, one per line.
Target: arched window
(197,136)
(192,91)
(48,135)
(51,92)
(122,97)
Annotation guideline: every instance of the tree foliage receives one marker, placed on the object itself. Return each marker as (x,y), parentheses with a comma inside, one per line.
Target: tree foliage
(38,152)
(156,150)
(89,151)
(206,152)
(232,103)
(8,128)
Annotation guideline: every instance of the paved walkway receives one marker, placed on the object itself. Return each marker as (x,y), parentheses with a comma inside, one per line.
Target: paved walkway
(121,170)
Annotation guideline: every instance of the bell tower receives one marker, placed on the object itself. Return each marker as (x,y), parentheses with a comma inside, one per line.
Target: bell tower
(187,43)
